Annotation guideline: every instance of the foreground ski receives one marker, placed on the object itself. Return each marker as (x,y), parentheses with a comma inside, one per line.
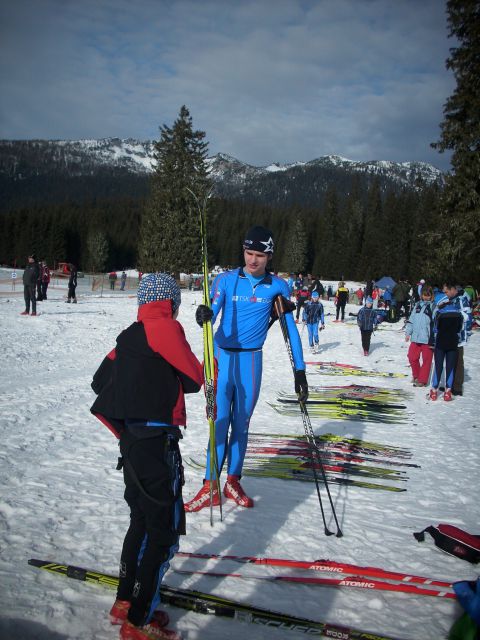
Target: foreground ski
(329,440)
(304,475)
(337,369)
(329,566)
(295,449)
(358,582)
(216,605)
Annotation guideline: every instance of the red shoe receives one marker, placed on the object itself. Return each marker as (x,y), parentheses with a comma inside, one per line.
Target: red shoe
(433,394)
(25,313)
(365,352)
(202,499)
(447,396)
(118,614)
(34,313)
(233,491)
(150,631)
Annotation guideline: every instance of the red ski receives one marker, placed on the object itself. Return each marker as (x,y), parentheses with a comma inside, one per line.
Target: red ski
(329,566)
(359,582)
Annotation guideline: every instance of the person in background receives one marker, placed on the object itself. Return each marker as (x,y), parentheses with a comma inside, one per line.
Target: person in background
(367,321)
(401,293)
(313,314)
(318,287)
(112,277)
(302,297)
(45,279)
(387,298)
(30,279)
(290,284)
(299,282)
(39,282)
(455,299)
(245,298)
(140,387)
(123,280)
(359,294)
(419,331)
(72,284)
(341,297)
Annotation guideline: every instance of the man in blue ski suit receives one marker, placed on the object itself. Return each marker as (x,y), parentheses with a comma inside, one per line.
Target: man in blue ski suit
(246,298)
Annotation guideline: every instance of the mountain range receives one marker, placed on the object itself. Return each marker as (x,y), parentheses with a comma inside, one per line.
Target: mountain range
(37,171)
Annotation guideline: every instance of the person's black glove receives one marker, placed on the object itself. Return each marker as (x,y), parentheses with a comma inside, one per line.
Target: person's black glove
(203,314)
(284,306)
(301,385)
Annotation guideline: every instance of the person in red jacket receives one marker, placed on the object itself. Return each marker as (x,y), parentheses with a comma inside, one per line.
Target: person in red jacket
(141,386)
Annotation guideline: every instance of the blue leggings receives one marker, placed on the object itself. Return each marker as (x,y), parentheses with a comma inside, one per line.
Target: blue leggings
(450,358)
(312,333)
(238,387)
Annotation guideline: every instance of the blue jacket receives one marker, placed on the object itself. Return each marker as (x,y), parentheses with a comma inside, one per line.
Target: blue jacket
(367,319)
(460,305)
(419,325)
(246,310)
(313,313)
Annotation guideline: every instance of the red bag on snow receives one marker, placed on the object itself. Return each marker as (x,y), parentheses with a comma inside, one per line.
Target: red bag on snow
(454,541)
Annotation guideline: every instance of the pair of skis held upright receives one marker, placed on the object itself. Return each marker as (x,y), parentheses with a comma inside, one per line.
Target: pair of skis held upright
(209,371)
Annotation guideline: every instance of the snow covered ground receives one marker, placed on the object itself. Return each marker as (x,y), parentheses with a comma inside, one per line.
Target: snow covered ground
(62,498)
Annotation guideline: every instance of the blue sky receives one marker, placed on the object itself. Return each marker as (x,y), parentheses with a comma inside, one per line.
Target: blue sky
(267,80)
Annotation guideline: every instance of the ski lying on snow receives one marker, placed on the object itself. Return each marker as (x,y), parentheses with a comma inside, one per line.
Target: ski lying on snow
(351,581)
(329,566)
(207,603)
(304,475)
(329,441)
(326,454)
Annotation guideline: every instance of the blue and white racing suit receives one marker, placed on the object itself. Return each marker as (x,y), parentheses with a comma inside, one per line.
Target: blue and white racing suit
(246,304)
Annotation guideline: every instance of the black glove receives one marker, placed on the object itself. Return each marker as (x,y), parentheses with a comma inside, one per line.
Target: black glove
(203,314)
(301,385)
(286,306)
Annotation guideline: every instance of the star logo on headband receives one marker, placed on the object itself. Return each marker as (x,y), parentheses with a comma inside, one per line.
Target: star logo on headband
(268,245)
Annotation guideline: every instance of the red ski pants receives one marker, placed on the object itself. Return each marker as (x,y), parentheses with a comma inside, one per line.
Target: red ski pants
(420,372)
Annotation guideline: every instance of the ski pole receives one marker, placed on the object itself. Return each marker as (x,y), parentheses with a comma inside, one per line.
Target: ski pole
(308,428)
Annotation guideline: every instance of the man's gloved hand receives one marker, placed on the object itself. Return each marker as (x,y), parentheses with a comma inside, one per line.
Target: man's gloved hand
(301,385)
(203,314)
(286,306)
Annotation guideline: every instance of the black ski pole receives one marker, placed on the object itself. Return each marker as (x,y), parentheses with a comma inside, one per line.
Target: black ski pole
(315,453)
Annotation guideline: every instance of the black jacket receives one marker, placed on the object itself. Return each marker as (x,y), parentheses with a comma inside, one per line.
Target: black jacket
(31,273)
(147,374)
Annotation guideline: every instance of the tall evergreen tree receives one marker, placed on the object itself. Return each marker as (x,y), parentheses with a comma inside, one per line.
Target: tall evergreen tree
(295,259)
(455,241)
(372,247)
(169,234)
(97,250)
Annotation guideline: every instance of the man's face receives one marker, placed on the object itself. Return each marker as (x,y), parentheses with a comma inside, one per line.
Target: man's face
(255,262)
(30,259)
(451,292)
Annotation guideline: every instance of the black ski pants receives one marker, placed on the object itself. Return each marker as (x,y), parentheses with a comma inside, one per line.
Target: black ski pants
(29,293)
(153,476)
(366,337)
(341,309)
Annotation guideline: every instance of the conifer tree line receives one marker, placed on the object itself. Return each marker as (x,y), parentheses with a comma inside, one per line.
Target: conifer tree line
(430,232)
(348,237)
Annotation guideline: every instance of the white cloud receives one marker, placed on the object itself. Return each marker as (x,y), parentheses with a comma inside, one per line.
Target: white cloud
(361,78)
